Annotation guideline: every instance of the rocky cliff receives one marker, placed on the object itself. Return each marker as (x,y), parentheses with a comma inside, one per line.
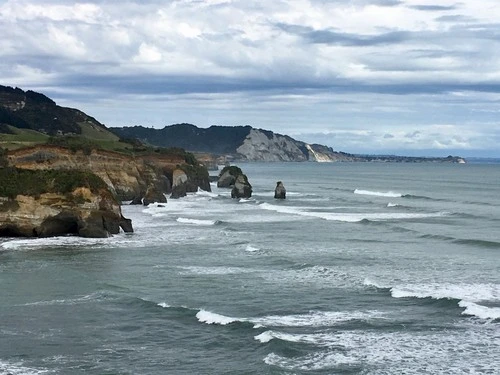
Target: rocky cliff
(38,203)
(235,142)
(127,176)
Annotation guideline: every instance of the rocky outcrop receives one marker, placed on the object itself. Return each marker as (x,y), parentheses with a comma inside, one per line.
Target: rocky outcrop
(179,184)
(128,176)
(280,191)
(228,175)
(52,203)
(153,195)
(241,188)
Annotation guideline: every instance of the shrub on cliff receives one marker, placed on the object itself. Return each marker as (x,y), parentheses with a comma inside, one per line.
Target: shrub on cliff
(14,181)
(74,143)
(3,158)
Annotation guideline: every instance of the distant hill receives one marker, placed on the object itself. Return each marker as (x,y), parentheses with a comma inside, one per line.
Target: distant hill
(234,142)
(28,118)
(249,144)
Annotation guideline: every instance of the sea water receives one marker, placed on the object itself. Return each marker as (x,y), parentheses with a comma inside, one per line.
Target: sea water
(363,269)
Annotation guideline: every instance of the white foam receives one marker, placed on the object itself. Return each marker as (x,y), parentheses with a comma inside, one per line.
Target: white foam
(314,318)
(251,249)
(62,241)
(399,352)
(389,194)
(468,292)
(369,282)
(350,217)
(203,193)
(470,296)
(200,270)
(213,318)
(311,319)
(313,362)
(479,311)
(390,204)
(184,220)
(19,369)
(164,305)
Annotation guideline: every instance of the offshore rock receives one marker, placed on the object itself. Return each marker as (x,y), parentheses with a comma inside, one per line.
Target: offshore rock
(242,188)
(280,191)
(228,176)
(137,200)
(153,194)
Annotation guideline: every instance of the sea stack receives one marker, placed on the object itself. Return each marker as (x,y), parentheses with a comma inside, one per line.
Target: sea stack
(241,188)
(280,191)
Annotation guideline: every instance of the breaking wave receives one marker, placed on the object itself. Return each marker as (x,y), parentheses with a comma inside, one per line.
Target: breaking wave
(389,194)
(472,297)
(350,217)
(184,220)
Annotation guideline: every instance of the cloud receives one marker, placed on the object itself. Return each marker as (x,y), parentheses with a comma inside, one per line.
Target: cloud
(434,8)
(366,66)
(345,39)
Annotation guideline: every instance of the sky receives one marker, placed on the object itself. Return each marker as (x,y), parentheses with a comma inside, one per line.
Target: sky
(408,77)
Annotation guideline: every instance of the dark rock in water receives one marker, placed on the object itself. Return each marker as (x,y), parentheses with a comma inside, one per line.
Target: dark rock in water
(137,200)
(153,195)
(213,178)
(160,205)
(228,176)
(126,225)
(242,188)
(63,223)
(280,191)
(179,184)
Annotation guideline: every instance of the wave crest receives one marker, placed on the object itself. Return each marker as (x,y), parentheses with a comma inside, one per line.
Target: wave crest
(389,194)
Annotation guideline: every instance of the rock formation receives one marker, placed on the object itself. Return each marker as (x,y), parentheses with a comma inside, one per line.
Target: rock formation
(153,194)
(128,176)
(280,191)
(241,188)
(52,203)
(228,175)
(179,183)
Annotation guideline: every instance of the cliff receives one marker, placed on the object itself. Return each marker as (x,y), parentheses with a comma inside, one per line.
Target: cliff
(127,176)
(42,203)
(242,143)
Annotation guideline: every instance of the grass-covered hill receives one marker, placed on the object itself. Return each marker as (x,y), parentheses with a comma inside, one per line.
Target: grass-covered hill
(28,118)
(215,139)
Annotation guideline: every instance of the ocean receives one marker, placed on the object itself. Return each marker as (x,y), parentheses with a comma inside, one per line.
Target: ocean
(365,268)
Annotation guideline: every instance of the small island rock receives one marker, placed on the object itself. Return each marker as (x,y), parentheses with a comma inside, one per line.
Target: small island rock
(242,188)
(228,176)
(280,191)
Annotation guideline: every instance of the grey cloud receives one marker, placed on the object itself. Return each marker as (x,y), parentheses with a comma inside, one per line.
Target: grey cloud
(345,39)
(433,8)
(456,18)
(386,3)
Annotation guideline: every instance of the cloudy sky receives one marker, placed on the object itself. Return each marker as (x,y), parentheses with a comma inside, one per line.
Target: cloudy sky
(412,77)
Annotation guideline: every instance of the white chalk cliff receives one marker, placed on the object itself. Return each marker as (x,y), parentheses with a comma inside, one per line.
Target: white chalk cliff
(267,146)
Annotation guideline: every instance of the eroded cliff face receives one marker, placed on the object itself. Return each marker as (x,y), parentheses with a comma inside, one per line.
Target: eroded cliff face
(80,212)
(268,146)
(259,146)
(127,176)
